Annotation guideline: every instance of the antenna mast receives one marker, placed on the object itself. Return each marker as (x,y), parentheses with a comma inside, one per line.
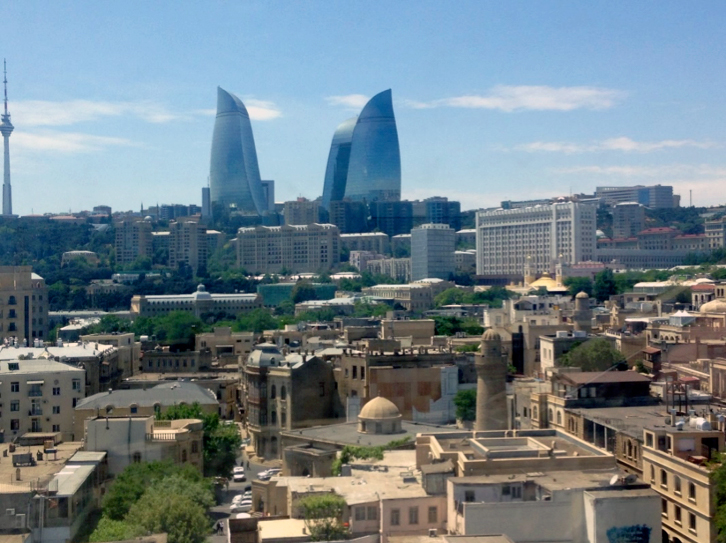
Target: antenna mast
(5,84)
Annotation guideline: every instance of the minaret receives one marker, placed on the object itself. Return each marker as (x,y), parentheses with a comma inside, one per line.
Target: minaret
(6,128)
(491,383)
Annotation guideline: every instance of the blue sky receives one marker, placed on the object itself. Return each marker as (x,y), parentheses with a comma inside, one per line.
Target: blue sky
(113,102)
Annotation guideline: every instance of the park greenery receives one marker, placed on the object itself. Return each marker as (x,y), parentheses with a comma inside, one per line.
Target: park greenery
(465,402)
(156,497)
(220,442)
(456,296)
(361,452)
(595,354)
(323,515)
(450,326)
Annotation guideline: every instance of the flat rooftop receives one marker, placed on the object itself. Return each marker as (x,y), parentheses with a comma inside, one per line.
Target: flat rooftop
(393,477)
(552,480)
(32,477)
(629,420)
(69,350)
(347,433)
(289,528)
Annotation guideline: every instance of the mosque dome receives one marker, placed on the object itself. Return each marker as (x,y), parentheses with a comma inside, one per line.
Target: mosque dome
(491,335)
(714,306)
(379,416)
(582,295)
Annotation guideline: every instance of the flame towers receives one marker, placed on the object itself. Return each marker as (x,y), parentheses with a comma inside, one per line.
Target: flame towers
(365,160)
(234,175)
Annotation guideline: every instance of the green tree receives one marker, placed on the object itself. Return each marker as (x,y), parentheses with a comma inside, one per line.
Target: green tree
(604,285)
(109,324)
(575,285)
(593,355)
(323,517)
(114,530)
(718,479)
(303,291)
(174,514)
(465,402)
(257,320)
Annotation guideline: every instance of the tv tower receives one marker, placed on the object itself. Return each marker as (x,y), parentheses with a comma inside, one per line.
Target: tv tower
(6,128)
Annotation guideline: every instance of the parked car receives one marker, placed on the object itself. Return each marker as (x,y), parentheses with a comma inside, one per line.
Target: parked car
(238,474)
(268,474)
(241,497)
(242,507)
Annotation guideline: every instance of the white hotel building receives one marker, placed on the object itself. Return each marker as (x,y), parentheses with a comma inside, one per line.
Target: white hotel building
(545,233)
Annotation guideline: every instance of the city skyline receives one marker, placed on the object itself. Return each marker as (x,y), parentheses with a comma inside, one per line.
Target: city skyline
(492,101)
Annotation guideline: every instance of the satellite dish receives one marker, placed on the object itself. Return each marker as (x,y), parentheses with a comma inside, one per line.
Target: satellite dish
(614,480)
(630,479)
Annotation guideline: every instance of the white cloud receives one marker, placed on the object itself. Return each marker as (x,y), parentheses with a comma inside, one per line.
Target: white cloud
(356,101)
(624,144)
(530,97)
(64,142)
(664,171)
(262,110)
(45,113)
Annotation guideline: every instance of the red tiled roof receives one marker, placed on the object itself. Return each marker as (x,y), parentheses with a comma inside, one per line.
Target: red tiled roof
(658,230)
(703,287)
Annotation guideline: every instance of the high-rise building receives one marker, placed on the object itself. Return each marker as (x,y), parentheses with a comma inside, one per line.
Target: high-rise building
(438,210)
(432,251)
(206,203)
(310,248)
(350,217)
(628,219)
(393,218)
(6,128)
(268,189)
(364,162)
(301,211)
(188,245)
(24,298)
(654,197)
(133,240)
(234,175)
(507,239)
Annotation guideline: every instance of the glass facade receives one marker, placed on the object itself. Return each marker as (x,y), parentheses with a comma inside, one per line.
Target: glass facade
(234,175)
(365,161)
(336,173)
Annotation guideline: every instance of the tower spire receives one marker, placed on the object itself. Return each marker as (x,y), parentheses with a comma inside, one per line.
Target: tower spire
(6,128)
(5,84)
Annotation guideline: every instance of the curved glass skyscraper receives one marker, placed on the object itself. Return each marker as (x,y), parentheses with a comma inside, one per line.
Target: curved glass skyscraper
(365,160)
(234,175)
(336,173)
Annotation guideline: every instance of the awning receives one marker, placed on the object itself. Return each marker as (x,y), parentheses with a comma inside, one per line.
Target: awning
(36,382)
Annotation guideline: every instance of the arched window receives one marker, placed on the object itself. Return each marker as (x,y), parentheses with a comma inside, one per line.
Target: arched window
(664,478)
(559,418)
(273,392)
(11,300)
(534,412)
(550,414)
(652,474)
(283,393)
(273,417)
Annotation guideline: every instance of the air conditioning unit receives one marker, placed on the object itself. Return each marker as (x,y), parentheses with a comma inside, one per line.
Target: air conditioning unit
(20,520)
(10,512)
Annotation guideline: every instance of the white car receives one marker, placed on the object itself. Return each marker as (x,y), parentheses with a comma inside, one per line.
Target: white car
(238,474)
(242,507)
(268,474)
(241,497)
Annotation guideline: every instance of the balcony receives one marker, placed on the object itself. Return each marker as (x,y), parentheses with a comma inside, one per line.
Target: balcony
(35,392)
(35,411)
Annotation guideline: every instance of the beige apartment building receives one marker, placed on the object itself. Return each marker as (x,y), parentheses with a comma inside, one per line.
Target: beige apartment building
(23,304)
(38,395)
(308,248)
(198,303)
(133,240)
(188,245)
(377,242)
(674,459)
(301,211)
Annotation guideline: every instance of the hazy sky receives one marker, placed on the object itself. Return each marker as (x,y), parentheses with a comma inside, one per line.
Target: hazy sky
(113,102)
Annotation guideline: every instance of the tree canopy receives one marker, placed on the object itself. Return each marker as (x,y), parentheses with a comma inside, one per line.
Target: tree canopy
(323,515)
(595,354)
(465,402)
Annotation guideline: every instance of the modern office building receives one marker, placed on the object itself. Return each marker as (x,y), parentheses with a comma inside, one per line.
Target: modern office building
(393,218)
(188,245)
(268,189)
(506,239)
(364,162)
(628,219)
(438,210)
(308,248)
(301,211)
(350,217)
(23,304)
(654,197)
(377,242)
(432,251)
(133,240)
(206,203)
(234,175)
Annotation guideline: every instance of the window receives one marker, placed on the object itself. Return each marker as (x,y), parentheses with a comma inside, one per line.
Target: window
(652,475)
(692,522)
(56,427)
(56,409)
(663,478)
(15,424)
(395,517)
(360,513)
(413,515)
(283,392)
(195,447)
(692,492)
(283,418)
(184,455)
(517,492)
(134,409)
(136,457)
(56,391)
(664,507)
(362,372)
(677,514)
(677,484)
(15,405)
(273,392)
(433,515)
(322,389)
(15,386)
(469,496)
(76,384)
(273,417)
(372,513)
(355,372)
(75,401)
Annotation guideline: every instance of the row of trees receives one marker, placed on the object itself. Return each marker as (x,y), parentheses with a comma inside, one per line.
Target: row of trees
(156,497)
